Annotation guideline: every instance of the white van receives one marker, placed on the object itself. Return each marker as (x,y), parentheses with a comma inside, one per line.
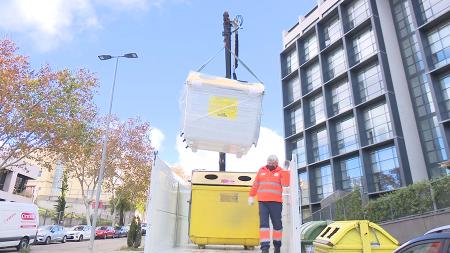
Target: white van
(18,224)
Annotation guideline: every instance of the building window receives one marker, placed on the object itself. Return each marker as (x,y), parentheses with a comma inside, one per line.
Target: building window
(444,83)
(296,120)
(351,173)
(335,63)
(431,8)
(21,184)
(357,12)
(304,186)
(306,213)
(332,31)
(434,145)
(290,62)
(299,152)
(385,169)
(341,97)
(312,77)
(346,135)
(370,82)
(363,45)
(323,183)
(320,148)
(439,45)
(3,174)
(377,123)
(310,47)
(316,110)
(292,90)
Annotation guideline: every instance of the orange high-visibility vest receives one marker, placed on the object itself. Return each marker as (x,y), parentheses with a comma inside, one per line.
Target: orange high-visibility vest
(268,185)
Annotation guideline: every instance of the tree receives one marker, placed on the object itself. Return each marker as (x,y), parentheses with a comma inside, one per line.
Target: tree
(134,234)
(120,203)
(38,108)
(60,206)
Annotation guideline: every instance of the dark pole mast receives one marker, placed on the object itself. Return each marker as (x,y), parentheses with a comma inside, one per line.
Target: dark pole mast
(227,42)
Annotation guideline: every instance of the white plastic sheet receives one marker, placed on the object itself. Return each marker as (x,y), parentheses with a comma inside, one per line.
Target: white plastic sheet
(221,114)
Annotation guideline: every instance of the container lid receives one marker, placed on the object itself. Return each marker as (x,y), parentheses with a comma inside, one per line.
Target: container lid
(223,178)
(310,230)
(356,233)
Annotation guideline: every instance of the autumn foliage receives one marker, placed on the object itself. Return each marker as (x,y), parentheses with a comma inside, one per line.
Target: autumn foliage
(50,117)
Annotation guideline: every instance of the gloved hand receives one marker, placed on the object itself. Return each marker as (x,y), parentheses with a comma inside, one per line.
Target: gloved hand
(251,200)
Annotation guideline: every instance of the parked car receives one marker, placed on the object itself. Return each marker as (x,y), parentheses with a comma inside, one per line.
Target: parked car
(51,233)
(79,233)
(143,228)
(18,224)
(430,243)
(105,232)
(443,229)
(121,231)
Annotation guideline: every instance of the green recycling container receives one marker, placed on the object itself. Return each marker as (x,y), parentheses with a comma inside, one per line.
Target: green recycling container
(308,232)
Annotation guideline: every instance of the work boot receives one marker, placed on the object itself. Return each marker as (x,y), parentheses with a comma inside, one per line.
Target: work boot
(277,250)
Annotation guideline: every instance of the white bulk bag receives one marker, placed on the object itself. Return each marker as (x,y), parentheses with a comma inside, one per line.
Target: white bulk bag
(221,114)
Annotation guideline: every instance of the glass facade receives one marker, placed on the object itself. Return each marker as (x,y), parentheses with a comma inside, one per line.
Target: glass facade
(323,183)
(335,63)
(363,45)
(420,87)
(444,85)
(350,133)
(290,62)
(296,120)
(346,135)
(312,77)
(331,31)
(370,82)
(385,169)
(350,173)
(299,152)
(439,45)
(316,110)
(356,12)
(310,47)
(292,92)
(377,123)
(431,8)
(341,97)
(320,149)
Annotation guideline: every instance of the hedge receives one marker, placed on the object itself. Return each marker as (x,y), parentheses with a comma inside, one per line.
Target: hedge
(411,200)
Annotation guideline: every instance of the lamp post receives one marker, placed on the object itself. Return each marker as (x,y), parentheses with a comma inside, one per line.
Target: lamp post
(104,143)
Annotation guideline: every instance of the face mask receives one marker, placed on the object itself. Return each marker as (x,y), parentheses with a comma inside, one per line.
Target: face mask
(271,167)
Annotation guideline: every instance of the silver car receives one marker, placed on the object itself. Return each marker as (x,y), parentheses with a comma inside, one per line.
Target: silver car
(51,233)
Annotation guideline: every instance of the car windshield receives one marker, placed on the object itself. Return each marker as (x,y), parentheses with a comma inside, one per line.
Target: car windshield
(79,228)
(46,227)
(144,224)
(102,228)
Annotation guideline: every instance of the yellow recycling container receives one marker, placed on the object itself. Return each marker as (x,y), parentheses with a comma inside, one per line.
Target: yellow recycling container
(354,236)
(219,212)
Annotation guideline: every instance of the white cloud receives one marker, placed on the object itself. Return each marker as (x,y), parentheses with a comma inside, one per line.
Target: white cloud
(47,22)
(157,137)
(269,143)
(50,23)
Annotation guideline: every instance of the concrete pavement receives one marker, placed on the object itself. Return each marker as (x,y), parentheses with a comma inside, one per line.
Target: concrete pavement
(101,246)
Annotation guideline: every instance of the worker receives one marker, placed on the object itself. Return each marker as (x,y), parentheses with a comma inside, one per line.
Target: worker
(268,187)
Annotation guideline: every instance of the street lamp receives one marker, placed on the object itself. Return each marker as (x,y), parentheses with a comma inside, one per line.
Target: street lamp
(104,142)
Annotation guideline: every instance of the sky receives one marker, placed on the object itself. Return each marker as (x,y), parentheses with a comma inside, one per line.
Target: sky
(171,38)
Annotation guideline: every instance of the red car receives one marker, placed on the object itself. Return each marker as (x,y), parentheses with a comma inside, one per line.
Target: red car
(105,232)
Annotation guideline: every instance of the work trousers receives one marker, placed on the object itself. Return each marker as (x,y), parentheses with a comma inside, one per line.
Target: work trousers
(273,210)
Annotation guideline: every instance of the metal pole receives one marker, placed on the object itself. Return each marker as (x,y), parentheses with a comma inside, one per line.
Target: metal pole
(102,163)
(227,41)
